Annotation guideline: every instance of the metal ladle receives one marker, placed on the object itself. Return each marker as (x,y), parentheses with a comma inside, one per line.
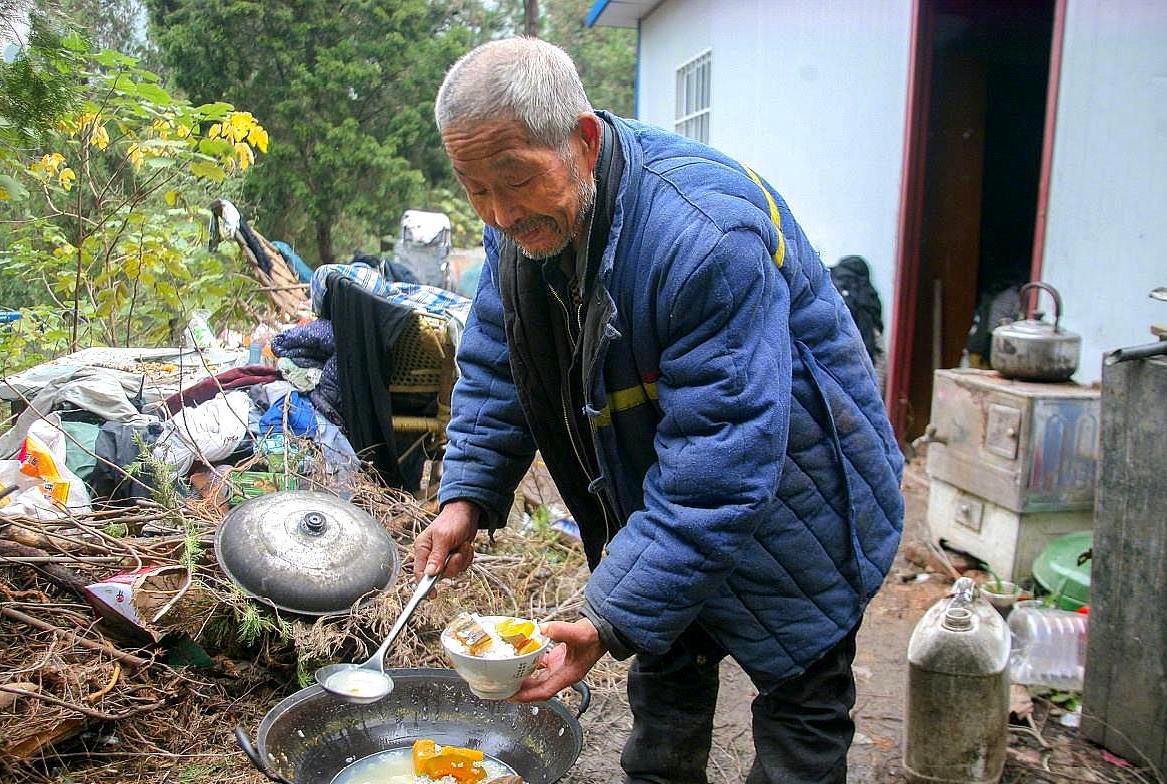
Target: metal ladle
(372,689)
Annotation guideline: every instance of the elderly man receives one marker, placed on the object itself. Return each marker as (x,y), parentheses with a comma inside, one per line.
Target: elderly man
(653,320)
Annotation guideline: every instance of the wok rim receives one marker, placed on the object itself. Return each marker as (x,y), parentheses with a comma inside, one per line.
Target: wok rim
(554,704)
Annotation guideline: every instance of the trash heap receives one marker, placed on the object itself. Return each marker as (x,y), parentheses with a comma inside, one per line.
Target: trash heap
(125,648)
(117,642)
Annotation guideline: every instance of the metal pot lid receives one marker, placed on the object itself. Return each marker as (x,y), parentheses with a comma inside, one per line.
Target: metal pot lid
(309,553)
(1034,329)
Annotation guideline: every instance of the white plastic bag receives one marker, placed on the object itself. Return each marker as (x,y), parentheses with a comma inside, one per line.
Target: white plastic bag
(209,432)
(48,489)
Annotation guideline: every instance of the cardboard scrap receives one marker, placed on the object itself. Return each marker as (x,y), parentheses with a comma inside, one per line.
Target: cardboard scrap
(1020,703)
(138,599)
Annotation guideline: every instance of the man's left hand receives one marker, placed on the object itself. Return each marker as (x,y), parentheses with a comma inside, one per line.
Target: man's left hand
(567,663)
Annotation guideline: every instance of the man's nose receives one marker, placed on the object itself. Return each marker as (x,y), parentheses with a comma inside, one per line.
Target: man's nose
(506,212)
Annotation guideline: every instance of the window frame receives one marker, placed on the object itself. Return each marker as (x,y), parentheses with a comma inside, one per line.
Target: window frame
(689,123)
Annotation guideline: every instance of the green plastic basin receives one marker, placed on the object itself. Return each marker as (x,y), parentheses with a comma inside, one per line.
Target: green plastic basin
(1056,569)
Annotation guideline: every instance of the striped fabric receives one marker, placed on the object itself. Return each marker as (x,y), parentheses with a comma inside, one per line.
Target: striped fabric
(429,299)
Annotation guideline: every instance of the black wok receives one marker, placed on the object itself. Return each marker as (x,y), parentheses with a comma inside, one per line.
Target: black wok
(311,736)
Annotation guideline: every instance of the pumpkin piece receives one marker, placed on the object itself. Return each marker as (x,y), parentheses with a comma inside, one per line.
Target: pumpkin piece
(530,646)
(435,762)
(519,633)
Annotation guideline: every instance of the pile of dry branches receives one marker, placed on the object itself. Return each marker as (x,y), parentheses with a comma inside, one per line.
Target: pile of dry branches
(69,683)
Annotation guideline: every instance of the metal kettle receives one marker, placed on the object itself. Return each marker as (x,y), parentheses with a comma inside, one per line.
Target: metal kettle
(1033,349)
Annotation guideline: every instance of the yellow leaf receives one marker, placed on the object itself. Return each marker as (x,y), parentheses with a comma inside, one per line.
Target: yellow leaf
(216,129)
(257,137)
(48,164)
(83,122)
(245,155)
(171,198)
(66,178)
(162,127)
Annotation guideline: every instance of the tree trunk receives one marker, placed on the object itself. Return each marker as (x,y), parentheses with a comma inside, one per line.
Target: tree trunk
(531,18)
(324,241)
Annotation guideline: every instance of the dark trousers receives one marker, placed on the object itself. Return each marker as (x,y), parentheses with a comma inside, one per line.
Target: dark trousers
(802,729)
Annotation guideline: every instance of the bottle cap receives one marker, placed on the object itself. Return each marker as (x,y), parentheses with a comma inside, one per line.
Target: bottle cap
(957,619)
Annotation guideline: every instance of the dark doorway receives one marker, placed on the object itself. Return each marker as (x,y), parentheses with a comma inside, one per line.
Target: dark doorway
(971,183)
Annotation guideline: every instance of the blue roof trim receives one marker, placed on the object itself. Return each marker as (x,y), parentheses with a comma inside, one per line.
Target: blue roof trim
(594,14)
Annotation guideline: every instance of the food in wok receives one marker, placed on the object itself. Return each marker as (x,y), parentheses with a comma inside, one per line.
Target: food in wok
(427,762)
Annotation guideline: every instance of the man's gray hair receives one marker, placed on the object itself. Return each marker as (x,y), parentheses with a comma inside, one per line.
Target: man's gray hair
(522,79)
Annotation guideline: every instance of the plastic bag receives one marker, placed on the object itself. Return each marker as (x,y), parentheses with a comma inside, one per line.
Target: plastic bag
(209,432)
(48,489)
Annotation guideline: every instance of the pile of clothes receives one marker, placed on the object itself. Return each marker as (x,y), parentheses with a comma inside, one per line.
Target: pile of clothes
(96,432)
(343,360)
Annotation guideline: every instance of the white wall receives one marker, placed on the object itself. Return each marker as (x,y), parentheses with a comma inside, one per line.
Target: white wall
(1106,243)
(810,94)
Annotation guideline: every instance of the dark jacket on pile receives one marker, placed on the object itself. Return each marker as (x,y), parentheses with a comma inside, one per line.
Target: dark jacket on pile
(853,280)
(366,329)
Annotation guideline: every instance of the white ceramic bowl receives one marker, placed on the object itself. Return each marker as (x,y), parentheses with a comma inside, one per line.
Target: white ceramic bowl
(492,679)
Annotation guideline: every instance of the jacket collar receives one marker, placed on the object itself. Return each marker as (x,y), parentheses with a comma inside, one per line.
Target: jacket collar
(626,190)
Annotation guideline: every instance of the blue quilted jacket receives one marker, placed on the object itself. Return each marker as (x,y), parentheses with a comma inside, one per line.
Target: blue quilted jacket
(734,412)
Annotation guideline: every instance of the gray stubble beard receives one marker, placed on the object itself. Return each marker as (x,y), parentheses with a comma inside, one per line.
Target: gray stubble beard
(585,191)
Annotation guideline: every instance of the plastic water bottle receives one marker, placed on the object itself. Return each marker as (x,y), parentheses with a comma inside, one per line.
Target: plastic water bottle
(259,347)
(958,691)
(1049,647)
(198,332)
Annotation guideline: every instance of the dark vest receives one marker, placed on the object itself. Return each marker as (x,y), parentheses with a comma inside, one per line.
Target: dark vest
(551,384)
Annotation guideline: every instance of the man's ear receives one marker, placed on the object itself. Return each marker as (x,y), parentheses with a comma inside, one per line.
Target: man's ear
(590,134)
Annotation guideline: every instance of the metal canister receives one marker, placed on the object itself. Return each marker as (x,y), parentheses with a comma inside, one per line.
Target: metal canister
(958,691)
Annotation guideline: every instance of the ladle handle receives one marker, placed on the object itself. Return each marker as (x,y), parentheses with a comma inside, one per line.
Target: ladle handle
(244,741)
(423,587)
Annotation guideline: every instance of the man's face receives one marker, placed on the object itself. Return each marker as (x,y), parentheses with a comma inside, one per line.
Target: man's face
(538,196)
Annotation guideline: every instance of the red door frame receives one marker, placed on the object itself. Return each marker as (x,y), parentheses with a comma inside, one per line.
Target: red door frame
(907,277)
(1047,139)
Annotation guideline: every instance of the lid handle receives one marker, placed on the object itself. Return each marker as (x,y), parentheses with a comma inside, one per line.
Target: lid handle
(1052,292)
(958,615)
(314,523)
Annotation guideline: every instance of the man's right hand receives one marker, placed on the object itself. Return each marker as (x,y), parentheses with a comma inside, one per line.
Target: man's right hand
(450,534)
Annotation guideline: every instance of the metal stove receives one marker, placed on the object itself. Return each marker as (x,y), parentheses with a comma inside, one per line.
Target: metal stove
(1012,465)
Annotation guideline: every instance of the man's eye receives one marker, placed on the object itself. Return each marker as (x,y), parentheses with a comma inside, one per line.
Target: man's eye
(520,184)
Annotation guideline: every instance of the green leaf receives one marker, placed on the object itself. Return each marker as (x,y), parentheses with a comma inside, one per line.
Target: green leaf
(208,171)
(154,93)
(214,111)
(111,59)
(217,148)
(11,190)
(74,42)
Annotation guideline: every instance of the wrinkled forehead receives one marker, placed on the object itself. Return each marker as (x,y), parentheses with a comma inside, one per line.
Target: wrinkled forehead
(494,144)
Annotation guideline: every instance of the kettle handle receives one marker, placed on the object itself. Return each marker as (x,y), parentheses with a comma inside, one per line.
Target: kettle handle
(1052,292)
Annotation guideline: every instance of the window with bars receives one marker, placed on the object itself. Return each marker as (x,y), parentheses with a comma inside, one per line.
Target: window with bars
(693,97)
